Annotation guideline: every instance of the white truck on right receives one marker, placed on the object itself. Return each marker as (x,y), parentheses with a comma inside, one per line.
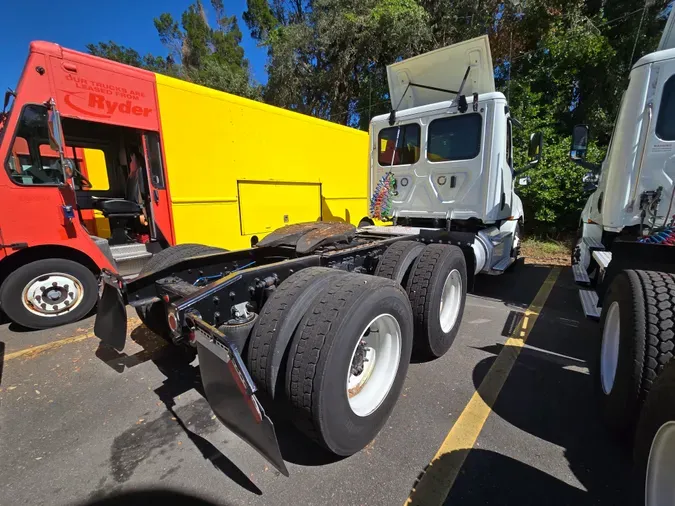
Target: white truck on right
(625,256)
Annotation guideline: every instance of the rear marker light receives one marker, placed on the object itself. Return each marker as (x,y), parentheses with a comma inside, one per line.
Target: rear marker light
(173,322)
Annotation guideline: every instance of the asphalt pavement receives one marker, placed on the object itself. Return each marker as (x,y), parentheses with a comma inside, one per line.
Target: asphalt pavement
(508,416)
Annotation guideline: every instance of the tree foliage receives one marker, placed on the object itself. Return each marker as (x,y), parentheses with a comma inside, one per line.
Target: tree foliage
(560,62)
(198,52)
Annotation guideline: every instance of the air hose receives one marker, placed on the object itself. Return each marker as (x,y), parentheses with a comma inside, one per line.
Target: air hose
(664,236)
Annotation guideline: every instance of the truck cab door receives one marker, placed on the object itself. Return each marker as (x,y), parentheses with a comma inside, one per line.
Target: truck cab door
(159,205)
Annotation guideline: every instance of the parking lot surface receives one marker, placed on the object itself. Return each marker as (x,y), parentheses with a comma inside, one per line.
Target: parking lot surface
(508,416)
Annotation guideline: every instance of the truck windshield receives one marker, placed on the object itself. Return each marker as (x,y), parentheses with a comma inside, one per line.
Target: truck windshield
(31,161)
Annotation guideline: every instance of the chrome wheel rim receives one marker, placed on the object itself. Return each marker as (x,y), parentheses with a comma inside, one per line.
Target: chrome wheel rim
(373,365)
(609,351)
(659,487)
(52,294)
(451,300)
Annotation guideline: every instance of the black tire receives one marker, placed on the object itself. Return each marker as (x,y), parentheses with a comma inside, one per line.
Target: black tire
(425,287)
(153,315)
(645,303)
(515,252)
(366,222)
(11,292)
(278,319)
(658,410)
(396,262)
(321,354)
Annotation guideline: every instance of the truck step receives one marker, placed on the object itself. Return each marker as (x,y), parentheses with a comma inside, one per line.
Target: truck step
(580,274)
(125,252)
(589,302)
(130,258)
(592,243)
(499,238)
(392,230)
(603,258)
(503,264)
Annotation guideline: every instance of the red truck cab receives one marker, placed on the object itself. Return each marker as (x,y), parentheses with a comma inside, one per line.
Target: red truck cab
(50,255)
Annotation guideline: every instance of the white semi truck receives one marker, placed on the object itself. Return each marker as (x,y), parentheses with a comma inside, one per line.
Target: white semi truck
(625,256)
(322,318)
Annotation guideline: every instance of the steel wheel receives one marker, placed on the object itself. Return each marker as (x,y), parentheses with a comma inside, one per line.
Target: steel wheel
(609,351)
(374,365)
(451,300)
(659,489)
(52,294)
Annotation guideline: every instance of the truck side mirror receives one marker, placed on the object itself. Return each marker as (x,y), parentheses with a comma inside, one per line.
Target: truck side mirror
(55,130)
(55,133)
(579,142)
(535,148)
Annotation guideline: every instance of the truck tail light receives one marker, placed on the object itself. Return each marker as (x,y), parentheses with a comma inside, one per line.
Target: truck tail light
(173,321)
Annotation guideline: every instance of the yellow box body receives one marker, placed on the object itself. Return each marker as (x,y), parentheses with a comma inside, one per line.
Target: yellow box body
(238,168)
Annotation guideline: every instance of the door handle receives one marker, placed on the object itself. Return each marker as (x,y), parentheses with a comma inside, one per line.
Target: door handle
(155,196)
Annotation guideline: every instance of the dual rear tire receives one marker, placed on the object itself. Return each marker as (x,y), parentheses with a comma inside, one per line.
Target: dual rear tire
(434,276)
(346,341)
(638,340)
(335,346)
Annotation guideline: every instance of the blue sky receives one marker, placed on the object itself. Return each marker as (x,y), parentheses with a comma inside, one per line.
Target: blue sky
(76,23)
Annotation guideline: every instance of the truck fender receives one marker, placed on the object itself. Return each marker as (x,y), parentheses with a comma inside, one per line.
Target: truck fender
(33,253)
(509,226)
(517,208)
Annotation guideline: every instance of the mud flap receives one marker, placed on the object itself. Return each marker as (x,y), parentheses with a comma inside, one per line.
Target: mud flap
(230,392)
(111,317)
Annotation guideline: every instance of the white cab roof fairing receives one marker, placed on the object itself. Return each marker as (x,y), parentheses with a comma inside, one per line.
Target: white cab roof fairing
(443,68)
(435,108)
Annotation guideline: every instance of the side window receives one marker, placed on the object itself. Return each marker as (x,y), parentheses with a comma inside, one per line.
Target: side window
(31,161)
(509,143)
(454,138)
(665,125)
(399,145)
(155,159)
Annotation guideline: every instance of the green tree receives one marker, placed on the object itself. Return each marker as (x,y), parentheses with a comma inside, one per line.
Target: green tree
(198,52)
(329,60)
(129,56)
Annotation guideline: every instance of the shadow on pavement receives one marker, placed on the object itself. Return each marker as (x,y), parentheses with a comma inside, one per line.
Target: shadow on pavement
(491,478)
(152,496)
(175,363)
(550,394)
(181,377)
(516,287)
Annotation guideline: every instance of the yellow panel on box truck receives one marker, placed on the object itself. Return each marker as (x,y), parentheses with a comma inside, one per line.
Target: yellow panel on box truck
(252,168)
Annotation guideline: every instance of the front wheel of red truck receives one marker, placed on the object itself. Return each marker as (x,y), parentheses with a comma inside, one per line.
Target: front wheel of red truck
(49,292)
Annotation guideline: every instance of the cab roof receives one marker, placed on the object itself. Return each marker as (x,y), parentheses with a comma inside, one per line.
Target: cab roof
(446,105)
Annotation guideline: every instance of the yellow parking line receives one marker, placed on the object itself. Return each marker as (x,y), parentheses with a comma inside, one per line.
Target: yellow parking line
(35,350)
(49,346)
(434,485)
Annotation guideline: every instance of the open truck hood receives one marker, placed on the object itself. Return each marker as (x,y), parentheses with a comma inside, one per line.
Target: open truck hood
(442,68)
(668,35)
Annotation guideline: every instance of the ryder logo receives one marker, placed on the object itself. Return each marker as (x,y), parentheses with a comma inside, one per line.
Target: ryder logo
(101,106)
